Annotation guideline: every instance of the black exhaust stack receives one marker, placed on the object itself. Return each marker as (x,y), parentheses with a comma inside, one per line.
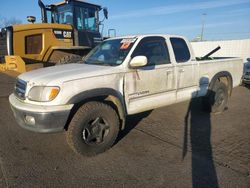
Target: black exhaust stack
(43,11)
(211,53)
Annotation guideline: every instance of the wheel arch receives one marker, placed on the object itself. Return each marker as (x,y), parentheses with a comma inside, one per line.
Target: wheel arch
(106,95)
(225,77)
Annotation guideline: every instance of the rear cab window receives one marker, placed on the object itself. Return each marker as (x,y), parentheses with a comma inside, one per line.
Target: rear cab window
(181,50)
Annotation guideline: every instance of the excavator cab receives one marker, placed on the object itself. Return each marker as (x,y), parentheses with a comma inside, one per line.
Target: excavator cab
(69,30)
(83,16)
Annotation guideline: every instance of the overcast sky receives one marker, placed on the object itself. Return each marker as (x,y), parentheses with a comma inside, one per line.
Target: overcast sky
(225,19)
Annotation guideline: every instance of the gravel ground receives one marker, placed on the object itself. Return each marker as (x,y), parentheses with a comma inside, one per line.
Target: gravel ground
(174,146)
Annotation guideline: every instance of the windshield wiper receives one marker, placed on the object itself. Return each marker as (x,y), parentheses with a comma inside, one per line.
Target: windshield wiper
(95,63)
(100,63)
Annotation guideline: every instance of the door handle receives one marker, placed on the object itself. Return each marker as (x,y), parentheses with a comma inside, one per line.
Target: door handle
(181,70)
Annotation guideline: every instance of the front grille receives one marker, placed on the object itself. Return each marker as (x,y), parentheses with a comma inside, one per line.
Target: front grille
(247,73)
(20,89)
(3,46)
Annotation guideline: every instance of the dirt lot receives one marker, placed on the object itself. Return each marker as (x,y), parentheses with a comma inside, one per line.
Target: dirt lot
(175,146)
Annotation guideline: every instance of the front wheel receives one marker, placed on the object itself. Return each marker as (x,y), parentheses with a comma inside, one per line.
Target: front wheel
(93,129)
(217,98)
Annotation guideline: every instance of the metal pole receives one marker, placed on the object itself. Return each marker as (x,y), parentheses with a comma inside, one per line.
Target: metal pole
(203,25)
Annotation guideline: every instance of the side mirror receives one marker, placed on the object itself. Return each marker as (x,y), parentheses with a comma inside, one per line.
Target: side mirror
(105,12)
(248,59)
(31,19)
(138,61)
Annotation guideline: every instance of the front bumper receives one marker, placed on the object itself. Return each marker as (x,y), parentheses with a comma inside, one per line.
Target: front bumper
(46,119)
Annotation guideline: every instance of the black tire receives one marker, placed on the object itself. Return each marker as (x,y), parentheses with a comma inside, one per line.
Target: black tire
(217,98)
(88,135)
(73,58)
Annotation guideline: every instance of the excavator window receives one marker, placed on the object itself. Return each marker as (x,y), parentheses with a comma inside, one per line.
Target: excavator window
(83,17)
(87,18)
(65,14)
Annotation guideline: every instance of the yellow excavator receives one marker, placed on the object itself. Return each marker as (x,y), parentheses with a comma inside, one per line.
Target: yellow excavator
(69,30)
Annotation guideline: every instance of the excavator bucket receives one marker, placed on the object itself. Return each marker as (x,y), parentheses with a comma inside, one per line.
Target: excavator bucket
(13,63)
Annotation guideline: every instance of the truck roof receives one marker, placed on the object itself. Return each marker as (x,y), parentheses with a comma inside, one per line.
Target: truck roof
(147,35)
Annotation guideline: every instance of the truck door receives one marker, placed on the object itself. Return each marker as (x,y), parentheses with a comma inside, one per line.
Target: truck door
(186,70)
(153,85)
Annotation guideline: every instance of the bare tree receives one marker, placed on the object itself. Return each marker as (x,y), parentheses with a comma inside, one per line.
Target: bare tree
(4,22)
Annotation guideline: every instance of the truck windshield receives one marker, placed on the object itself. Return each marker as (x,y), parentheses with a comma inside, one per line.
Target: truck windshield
(110,52)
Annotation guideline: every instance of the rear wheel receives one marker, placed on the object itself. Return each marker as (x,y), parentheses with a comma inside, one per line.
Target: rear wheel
(93,129)
(217,98)
(73,58)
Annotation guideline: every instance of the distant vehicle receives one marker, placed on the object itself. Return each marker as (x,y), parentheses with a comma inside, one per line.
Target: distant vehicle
(246,76)
(120,77)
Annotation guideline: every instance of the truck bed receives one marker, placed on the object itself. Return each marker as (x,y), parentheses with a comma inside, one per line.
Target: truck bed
(233,65)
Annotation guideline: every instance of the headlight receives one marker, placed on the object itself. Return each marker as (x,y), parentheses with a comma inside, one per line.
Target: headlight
(43,93)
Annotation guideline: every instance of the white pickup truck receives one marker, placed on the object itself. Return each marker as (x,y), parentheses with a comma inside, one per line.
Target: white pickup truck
(121,76)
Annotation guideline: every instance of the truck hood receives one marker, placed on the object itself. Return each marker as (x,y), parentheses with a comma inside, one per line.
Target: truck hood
(63,73)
